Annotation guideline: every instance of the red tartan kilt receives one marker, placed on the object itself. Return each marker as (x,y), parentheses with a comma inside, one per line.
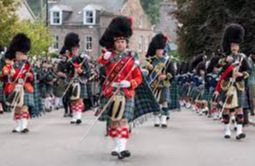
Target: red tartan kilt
(77,106)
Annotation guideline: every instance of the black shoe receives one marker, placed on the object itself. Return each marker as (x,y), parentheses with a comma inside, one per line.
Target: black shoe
(125,153)
(164,126)
(240,136)
(227,137)
(78,121)
(70,115)
(156,125)
(120,156)
(25,131)
(66,115)
(72,122)
(114,153)
(15,131)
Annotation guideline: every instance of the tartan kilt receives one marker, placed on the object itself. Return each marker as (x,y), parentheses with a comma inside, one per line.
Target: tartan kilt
(174,95)
(85,90)
(165,95)
(194,92)
(2,98)
(128,112)
(208,94)
(38,105)
(184,90)
(29,99)
(251,89)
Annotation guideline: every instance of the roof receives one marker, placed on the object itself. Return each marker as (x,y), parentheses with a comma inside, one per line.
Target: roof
(77,6)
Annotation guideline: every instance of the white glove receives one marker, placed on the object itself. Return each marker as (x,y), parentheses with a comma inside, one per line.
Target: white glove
(115,85)
(107,55)
(125,84)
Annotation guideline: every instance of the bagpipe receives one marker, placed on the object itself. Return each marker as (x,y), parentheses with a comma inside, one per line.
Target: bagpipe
(17,85)
(153,78)
(231,100)
(116,101)
(75,78)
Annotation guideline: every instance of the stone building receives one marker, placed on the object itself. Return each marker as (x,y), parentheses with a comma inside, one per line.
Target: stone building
(90,18)
(24,11)
(168,23)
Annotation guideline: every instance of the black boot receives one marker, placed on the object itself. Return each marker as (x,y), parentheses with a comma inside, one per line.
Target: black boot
(240,136)
(125,153)
(25,131)
(78,122)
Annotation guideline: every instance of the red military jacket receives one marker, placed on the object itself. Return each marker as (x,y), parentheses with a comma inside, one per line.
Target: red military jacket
(117,70)
(10,83)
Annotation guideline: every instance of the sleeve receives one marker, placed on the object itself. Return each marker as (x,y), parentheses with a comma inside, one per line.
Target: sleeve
(87,70)
(245,69)
(136,78)
(101,60)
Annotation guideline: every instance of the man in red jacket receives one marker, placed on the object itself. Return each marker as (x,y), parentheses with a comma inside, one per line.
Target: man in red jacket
(122,78)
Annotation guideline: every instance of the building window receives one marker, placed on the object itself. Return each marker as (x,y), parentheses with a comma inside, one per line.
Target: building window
(56,42)
(88,43)
(89,17)
(140,44)
(56,18)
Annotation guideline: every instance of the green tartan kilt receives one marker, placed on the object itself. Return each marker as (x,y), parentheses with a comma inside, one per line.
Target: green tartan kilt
(2,98)
(38,105)
(128,113)
(194,92)
(29,99)
(165,95)
(184,90)
(208,94)
(86,90)
(174,95)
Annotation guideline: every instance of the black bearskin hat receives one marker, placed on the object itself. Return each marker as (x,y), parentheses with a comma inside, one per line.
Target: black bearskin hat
(213,63)
(119,28)
(21,43)
(253,51)
(196,61)
(233,33)
(200,66)
(158,42)
(71,40)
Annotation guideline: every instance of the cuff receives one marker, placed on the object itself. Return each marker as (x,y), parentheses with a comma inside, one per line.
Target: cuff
(133,84)
(169,76)
(245,75)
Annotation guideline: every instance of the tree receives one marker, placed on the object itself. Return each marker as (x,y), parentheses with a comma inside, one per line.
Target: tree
(7,20)
(39,35)
(152,7)
(10,25)
(204,22)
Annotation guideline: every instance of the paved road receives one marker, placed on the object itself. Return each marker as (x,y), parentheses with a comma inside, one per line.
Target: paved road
(190,140)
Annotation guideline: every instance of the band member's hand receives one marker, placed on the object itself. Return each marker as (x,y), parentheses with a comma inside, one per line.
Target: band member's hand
(107,55)
(216,94)
(79,70)
(12,72)
(237,74)
(115,85)
(125,84)
(60,74)
(229,59)
(28,74)
(162,77)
